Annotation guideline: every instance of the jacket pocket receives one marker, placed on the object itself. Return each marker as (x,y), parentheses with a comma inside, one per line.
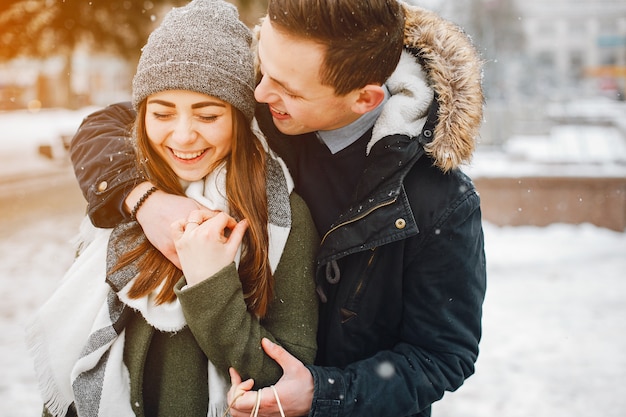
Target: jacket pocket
(358,288)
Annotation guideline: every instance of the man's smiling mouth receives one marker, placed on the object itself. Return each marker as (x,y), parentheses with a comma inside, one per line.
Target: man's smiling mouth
(282,113)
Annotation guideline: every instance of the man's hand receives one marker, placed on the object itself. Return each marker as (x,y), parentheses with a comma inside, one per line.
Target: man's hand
(294,388)
(157,214)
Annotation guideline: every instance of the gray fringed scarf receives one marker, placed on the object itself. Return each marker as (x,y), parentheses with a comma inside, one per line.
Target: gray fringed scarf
(77,337)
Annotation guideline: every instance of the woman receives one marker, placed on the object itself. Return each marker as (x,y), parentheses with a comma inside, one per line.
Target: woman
(155,340)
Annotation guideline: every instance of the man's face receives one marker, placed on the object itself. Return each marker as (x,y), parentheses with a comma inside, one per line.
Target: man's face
(291,85)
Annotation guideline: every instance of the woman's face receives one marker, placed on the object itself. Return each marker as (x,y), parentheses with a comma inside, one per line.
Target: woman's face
(191,131)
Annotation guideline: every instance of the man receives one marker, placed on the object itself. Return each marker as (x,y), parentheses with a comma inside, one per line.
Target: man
(374,133)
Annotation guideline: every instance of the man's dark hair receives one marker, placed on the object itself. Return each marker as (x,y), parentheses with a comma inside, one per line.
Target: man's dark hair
(363,38)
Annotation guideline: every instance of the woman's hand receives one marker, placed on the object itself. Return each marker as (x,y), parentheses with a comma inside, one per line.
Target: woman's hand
(237,388)
(206,242)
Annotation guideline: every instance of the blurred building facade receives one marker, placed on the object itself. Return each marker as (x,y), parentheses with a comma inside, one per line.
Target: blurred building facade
(576,47)
(96,79)
(84,75)
(567,49)
(557,52)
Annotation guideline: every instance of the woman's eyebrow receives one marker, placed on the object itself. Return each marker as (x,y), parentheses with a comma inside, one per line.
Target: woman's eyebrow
(193,106)
(207,104)
(161,102)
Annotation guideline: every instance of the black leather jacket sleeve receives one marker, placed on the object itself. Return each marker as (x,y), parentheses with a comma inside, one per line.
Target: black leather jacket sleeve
(104,162)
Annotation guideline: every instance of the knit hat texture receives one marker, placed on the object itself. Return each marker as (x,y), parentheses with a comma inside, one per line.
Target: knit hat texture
(201,47)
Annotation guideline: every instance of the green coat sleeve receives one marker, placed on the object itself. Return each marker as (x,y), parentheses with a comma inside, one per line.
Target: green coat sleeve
(230,336)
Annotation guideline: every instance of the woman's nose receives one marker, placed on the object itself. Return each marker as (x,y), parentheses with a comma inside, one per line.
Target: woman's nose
(184,131)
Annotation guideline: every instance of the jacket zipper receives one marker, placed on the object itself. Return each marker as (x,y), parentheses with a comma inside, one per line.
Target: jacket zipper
(367,213)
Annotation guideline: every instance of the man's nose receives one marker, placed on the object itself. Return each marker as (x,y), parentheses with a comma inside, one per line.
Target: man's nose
(265,91)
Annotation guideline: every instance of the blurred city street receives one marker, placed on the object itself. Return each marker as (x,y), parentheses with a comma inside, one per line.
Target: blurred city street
(38,217)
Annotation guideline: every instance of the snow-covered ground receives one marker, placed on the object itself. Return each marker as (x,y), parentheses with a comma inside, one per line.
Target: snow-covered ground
(554,341)
(554,318)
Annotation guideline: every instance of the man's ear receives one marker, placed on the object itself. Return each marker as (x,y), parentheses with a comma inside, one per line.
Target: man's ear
(368,98)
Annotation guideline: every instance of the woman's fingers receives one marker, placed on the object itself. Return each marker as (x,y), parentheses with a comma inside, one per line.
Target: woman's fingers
(221,226)
(207,242)
(178,229)
(200,216)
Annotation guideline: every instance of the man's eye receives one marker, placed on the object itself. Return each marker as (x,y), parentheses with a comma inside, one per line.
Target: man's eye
(288,94)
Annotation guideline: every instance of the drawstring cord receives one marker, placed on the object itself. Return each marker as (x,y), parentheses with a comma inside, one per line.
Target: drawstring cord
(333,275)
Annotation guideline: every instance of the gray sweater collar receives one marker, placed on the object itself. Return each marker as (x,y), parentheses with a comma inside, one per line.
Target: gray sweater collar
(339,139)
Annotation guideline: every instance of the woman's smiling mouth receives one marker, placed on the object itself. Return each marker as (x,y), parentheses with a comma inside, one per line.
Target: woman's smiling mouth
(188,156)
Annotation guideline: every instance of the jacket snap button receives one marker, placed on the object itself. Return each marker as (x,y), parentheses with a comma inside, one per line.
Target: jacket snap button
(103,186)
(400,224)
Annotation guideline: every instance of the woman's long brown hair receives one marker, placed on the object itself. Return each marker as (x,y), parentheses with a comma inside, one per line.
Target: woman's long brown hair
(247,198)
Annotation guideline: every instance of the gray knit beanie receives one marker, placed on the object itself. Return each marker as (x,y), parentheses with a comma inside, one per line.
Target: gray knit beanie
(201,47)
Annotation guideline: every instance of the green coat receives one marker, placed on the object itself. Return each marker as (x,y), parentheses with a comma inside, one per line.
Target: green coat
(168,371)
(172,368)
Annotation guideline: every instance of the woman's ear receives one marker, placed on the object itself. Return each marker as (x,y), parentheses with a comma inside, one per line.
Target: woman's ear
(369,97)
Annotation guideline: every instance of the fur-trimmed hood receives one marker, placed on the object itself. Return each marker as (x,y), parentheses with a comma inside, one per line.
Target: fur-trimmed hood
(438,58)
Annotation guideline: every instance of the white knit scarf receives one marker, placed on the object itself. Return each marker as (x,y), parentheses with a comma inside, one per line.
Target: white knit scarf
(77,337)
